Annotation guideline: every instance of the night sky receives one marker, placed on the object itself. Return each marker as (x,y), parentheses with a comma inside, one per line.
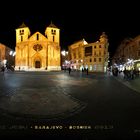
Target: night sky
(76,20)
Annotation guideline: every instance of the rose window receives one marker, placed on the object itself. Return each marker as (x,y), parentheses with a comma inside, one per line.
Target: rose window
(37,47)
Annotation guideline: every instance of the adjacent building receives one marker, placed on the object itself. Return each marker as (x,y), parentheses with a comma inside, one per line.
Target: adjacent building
(38,51)
(128,54)
(64,59)
(93,56)
(7,56)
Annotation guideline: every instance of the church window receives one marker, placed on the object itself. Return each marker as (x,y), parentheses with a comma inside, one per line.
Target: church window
(99,59)
(37,47)
(37,36)
(53,38)
(94,59)
(53,32)
(21,32)
(21,38)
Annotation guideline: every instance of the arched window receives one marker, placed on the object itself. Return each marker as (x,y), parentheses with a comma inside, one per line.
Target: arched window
(53,38)
(37,36)
(21,38)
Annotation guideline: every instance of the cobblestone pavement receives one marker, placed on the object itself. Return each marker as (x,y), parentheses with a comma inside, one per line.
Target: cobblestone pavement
(39,95)
(97,103)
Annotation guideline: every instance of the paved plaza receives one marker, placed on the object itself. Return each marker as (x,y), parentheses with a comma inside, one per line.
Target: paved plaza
(38,95)
(88,105)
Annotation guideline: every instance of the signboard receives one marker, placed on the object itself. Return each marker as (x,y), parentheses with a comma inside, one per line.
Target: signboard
(88,51)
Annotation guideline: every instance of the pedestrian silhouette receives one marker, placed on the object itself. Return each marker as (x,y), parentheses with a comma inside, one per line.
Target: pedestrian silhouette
(84,69)
(3,70)
(87,71)
(69,70)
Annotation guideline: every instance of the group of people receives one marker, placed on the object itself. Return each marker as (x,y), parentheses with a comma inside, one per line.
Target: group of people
(115,71)
(128,74)
(3,68)
(83,70)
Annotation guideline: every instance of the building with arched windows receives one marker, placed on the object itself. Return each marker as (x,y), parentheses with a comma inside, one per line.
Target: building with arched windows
(94,56)
(37,51)
(7,56)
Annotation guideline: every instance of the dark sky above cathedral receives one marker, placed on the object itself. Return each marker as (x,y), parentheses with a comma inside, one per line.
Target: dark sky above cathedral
(84,19)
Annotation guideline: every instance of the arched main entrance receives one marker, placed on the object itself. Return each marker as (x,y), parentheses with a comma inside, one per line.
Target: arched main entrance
(37,64)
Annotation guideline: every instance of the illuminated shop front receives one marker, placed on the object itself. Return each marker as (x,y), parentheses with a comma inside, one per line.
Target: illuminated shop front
(130,64)
(137,64)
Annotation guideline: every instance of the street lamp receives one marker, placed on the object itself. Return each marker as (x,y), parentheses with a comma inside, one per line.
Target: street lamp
(14,53)
(64,53)
(11,52)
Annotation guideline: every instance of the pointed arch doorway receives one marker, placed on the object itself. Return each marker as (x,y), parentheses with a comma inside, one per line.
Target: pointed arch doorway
(37,62)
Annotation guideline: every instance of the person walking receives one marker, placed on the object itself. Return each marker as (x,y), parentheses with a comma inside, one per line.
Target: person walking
(69,70)
(87,71)
(3,71)
(132,74)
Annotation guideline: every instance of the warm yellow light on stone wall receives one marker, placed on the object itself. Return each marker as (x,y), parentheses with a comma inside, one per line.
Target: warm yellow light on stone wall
(37,52)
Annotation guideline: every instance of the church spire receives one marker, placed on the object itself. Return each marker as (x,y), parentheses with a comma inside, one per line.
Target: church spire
(52,25)
(22,25)
(51,22)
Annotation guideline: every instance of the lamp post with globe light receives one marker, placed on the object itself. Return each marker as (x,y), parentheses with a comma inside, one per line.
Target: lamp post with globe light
(10,61)
(64,57)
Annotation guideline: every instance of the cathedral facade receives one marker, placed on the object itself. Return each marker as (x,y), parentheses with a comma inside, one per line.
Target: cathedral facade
(38,52)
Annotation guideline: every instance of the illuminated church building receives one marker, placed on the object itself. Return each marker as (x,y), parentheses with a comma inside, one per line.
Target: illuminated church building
(37,51)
